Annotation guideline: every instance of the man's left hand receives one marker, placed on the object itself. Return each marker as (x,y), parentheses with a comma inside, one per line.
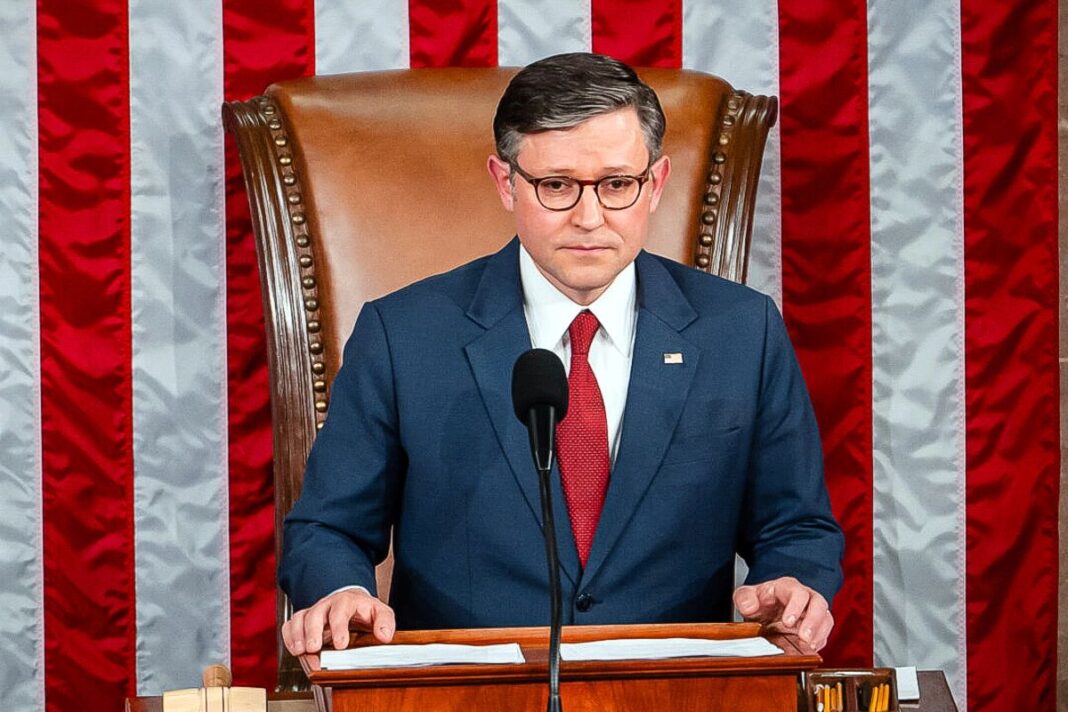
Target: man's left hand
(786,605)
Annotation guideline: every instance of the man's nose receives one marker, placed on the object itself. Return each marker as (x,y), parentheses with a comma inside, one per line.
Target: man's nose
(588,213)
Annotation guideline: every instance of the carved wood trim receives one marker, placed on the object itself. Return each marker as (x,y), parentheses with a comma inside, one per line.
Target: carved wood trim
(299,391)
(725,225)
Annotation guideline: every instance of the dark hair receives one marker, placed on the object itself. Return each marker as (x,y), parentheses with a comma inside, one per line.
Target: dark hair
(564,90)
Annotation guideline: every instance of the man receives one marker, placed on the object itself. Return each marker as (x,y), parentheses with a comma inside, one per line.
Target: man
(690,435)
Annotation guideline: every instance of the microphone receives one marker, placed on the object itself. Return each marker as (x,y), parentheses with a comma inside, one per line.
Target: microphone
(539,396)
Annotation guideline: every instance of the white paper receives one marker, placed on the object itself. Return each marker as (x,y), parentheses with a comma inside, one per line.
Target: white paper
(658,648)
(376,656)
(908,686)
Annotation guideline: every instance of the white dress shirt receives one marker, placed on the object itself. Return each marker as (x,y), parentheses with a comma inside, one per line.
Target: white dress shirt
(549,314)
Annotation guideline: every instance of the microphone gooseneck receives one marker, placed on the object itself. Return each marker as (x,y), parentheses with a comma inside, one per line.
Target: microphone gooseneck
(539,396)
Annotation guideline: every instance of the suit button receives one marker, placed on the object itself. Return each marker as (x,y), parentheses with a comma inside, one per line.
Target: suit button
(584,602)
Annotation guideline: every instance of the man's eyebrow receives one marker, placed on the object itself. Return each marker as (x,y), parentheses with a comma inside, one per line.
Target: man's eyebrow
(570,171)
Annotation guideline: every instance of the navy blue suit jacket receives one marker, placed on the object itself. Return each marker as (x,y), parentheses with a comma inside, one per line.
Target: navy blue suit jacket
(719,454)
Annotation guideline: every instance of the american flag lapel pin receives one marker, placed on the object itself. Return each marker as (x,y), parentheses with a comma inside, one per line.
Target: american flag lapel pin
(673,357)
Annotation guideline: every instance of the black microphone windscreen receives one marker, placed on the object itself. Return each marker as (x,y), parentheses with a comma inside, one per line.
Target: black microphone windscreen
(538,379)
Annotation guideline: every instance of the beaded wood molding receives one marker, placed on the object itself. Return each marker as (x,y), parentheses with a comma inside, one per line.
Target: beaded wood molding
(302,239)
(723,241)
(296,353)
(285,252)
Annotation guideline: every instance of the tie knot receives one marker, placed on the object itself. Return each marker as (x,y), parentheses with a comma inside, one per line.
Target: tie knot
(582,331)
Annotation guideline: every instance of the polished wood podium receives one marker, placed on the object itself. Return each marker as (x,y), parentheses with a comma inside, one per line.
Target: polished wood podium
(678,684)
(934,697)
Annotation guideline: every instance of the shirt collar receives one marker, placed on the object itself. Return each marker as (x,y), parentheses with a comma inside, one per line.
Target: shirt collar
(549,312)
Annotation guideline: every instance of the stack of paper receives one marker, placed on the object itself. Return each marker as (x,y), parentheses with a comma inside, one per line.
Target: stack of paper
(908,685)
(431,654)
(657,648)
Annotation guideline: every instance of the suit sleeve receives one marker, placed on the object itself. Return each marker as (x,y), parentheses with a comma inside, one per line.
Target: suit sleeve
(787,528)
(339,528)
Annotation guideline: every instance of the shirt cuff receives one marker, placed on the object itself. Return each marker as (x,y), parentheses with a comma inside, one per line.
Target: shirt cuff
(349,588)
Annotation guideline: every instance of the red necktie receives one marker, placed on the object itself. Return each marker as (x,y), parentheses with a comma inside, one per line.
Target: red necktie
(582,439)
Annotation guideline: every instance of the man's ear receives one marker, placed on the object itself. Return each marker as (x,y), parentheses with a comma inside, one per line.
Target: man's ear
(501,173)
(660,172)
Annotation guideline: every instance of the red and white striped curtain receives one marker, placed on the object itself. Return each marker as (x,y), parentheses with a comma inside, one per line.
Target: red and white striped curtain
(906,225)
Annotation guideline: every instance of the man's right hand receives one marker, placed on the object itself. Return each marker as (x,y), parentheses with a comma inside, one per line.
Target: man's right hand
(304,632)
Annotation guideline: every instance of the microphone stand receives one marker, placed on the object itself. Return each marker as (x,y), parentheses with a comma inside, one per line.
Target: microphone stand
(543,461)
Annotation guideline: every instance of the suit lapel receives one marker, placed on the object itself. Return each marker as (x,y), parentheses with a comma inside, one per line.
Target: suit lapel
(498,307)
(655,399)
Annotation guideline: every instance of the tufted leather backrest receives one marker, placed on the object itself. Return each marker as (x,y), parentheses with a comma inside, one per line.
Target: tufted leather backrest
(362,183)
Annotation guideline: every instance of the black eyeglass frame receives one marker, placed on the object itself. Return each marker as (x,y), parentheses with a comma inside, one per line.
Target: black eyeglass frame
(642,179)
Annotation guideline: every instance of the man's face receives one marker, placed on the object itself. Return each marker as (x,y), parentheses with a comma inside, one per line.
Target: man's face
(581,250)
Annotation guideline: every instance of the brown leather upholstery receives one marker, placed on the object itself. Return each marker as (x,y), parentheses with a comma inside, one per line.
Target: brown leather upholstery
(362,183)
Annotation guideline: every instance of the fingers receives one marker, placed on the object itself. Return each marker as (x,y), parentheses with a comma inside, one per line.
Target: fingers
(374,616)
(746,601)
(816,625)
(762,602)
(770,594)
(314,622)
(338,617)
(824,632)
(383,623)
(293,633)
(797,597)
(304,631)
(787,605)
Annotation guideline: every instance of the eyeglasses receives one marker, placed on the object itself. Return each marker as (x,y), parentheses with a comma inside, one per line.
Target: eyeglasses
(559,193)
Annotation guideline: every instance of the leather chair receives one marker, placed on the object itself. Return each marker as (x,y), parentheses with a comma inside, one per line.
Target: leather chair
(362,183)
